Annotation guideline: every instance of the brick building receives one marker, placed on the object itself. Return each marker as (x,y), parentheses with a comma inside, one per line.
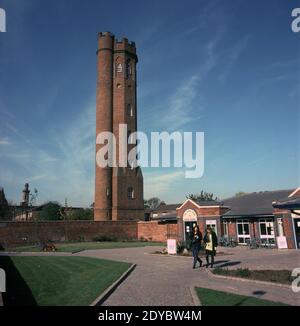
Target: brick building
(118,190)
(250,216)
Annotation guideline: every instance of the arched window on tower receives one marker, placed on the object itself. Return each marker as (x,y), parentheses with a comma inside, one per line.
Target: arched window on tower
(129,110)
(130,193)
(119,68)
(128,68)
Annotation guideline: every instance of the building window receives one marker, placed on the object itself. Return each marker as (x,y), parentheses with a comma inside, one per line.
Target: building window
(225,232)
(107,192)
(130,193)
(243,231)
(128,68)
(129,110)
(266,229)
(119,68)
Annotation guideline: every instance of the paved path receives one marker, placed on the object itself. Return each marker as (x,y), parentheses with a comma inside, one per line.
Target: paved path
(164,280)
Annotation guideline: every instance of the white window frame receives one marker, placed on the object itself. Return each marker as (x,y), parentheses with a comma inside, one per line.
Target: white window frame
(225,229)
(269,222)
(244,235)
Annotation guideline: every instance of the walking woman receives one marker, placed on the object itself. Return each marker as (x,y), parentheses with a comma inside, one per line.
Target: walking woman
(196,238)
(211,243)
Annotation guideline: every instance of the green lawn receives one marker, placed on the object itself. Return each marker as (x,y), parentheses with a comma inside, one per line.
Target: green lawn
(209,297)
(275,276)
(58,281)
(79,246)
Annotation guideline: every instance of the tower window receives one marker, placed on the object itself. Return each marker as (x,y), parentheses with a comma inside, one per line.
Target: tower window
(107,192)
(128,68)
(119,68)
(130,193)
(129,110)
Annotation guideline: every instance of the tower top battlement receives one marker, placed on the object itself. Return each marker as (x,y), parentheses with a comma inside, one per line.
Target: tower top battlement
(108,40)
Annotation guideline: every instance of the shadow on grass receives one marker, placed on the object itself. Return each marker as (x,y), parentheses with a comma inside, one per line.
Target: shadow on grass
(17,291)
(257,295)
(230,263)
(217,262)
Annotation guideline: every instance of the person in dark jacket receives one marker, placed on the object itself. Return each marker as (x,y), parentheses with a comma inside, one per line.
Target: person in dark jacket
(211,243)
(196,238)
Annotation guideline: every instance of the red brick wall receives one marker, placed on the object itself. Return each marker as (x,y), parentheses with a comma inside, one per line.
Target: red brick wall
(232,230)
(201,211)
(22,233)
(154,231)
(287,227)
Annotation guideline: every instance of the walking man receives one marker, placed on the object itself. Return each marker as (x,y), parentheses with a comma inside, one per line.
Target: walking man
(196,238)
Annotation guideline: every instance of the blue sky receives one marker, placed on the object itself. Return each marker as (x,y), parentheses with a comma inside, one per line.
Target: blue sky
(227,68)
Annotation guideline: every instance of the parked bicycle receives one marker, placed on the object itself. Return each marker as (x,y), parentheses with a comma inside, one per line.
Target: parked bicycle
(253,243)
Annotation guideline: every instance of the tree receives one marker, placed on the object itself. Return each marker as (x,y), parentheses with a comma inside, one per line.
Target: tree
(203,196)
(49,212)
(4,207)
(33,197)
(240,193)
(153,202)
(80,214)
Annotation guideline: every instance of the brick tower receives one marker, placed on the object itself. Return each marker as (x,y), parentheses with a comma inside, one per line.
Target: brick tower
(118,190)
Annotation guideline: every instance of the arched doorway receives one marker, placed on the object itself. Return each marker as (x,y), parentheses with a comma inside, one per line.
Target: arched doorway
(189,218)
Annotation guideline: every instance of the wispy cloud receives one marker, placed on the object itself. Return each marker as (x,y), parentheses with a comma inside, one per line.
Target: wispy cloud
(37,177)
(179,108)
(160,183)
(234,54)
(4,142)
(62,169)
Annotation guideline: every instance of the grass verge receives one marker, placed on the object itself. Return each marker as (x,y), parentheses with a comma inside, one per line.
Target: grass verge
(58,281)
(80,246)
(209,297)
(275,276)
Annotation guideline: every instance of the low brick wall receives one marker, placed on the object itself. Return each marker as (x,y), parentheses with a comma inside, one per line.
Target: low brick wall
(155,231)
(23,233)
(27,233)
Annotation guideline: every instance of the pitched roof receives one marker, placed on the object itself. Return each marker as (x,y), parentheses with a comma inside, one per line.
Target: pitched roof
(288,204)
(166,208)
(208,202)
(256,203)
